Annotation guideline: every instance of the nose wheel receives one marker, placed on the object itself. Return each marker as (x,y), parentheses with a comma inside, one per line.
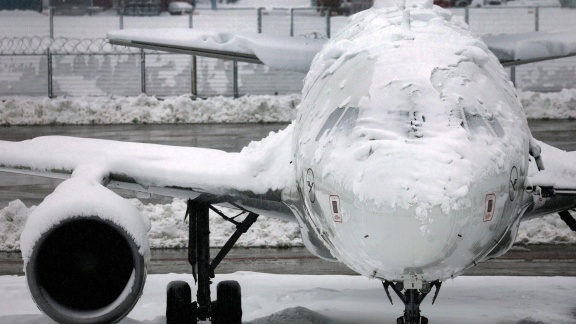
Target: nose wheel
(412,298)
(402,320)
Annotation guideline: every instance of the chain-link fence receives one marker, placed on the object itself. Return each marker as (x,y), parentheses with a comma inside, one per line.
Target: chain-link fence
(65,67)
(68,55)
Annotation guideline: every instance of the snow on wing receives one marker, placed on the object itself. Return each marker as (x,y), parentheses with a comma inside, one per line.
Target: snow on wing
(253,178)
(297,53)
(559,172)
(530,47)
(554,187)
(280,52)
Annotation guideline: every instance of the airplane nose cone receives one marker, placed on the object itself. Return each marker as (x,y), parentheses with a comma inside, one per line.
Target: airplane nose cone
(401,242)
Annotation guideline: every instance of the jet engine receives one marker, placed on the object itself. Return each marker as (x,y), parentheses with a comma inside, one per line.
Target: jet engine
(85,269)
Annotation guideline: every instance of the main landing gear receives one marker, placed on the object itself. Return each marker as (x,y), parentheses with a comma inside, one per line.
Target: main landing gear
(227,309)
(412,298)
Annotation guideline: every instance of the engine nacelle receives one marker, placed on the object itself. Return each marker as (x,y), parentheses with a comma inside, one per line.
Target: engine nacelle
(85,269)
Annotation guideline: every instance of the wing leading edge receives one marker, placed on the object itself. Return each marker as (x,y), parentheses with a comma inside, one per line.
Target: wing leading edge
(280,52)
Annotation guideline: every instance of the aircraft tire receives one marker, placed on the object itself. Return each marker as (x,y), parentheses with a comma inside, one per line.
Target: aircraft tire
(423,320)
(178,303)
(228,303)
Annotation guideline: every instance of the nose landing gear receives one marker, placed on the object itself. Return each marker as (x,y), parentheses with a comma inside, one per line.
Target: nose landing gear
(412,298)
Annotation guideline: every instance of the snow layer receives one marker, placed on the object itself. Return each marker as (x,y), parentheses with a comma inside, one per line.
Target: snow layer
(259,168)
(146,110)
(424,92)
(532,45)
(551,105)
(533,3)
(12,220)
(558,170)
(267,4)
(83,196)
(279,52)
(169,230)
(249,109)
(269,298)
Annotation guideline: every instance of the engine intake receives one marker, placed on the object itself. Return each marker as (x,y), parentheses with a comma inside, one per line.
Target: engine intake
(86,270)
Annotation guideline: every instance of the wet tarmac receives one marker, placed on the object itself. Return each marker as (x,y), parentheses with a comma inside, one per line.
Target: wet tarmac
(537,260)
(531,260)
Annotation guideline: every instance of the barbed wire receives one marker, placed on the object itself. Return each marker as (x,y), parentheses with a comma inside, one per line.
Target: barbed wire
(37,45)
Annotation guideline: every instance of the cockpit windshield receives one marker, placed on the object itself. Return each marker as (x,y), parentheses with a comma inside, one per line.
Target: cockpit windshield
(477,124)
(343,119)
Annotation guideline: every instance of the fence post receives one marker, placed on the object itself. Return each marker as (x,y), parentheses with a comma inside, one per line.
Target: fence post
(513,75)
(235,77)
(467,15)
(143,70)
(122,16)
(260,20)
(537,18)
(194,82)
(50,89)
(190,22)
(292,22)
(51,22)
(328,15)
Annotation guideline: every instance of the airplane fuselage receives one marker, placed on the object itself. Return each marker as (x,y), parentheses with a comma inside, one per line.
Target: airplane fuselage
(411,148)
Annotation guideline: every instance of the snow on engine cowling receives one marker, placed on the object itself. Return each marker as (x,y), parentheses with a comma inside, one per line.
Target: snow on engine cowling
(85,251)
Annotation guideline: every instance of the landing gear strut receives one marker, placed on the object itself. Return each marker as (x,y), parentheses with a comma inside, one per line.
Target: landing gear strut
(568,219)
(228,305)
(412,298)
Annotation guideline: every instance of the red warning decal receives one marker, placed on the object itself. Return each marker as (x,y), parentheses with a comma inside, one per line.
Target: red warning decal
(335,208)
(489,207)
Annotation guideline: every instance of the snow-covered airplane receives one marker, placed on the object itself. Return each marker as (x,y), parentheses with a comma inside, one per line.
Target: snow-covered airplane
(410,161)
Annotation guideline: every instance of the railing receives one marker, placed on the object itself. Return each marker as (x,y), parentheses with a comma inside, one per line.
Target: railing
(63,60)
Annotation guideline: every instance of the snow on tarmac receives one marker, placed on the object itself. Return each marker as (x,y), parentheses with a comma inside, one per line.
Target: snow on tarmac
(168,227)
(249,109)
(269,298)
(146,110)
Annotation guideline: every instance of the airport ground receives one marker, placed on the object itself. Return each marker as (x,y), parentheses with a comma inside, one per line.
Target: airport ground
(531,260)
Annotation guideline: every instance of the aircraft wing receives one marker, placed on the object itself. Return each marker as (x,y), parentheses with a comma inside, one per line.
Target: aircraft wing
(554,187)
(523,48)
(252,179)
(297,53)
(559,170)
(280,52)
